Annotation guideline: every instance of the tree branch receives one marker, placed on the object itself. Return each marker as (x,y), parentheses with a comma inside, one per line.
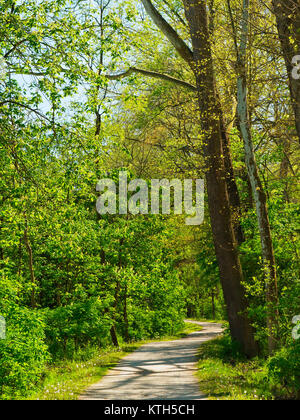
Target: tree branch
(26,107)
(181,47)
(154,75)
(14,48)
(234,32)
(177,14)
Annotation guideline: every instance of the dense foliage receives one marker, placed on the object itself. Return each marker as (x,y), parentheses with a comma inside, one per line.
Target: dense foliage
(71,279)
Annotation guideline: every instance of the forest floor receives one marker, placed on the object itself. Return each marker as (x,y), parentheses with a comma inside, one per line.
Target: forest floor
(157,371)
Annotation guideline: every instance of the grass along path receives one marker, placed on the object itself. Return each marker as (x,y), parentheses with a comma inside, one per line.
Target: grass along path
(224,374)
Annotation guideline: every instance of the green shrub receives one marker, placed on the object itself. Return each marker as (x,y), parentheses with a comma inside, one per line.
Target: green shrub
(76,325)
(284,370)
(23,354)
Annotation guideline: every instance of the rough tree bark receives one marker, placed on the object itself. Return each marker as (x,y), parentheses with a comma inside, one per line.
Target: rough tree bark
(287,14)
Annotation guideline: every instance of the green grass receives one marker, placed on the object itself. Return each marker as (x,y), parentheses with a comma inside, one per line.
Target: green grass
(68,379)
(188,329)
(213,321)
(225,375)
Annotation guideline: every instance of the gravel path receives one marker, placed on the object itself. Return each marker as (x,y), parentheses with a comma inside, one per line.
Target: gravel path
(156,371)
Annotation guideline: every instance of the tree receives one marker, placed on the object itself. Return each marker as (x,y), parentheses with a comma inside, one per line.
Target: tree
(200,61)
(258,192)
(287,14)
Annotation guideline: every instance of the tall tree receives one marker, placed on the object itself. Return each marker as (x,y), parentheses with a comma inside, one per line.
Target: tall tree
(258,192)
(200,61)
(287,14)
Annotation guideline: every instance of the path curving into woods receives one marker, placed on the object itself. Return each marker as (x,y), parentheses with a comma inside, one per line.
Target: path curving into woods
(157,371)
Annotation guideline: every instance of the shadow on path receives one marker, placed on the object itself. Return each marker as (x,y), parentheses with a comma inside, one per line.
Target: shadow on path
(156,371)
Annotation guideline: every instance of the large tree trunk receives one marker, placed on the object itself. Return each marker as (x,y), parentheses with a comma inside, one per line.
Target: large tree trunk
(219,206)
(256,185)
(287,14)
(114,337)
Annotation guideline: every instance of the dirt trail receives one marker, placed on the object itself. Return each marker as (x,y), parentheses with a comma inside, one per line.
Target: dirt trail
(156,371)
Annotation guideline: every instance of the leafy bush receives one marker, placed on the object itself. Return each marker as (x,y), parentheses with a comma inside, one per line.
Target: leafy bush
(284,369)
(70,327)
(23,354)
(224,349)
